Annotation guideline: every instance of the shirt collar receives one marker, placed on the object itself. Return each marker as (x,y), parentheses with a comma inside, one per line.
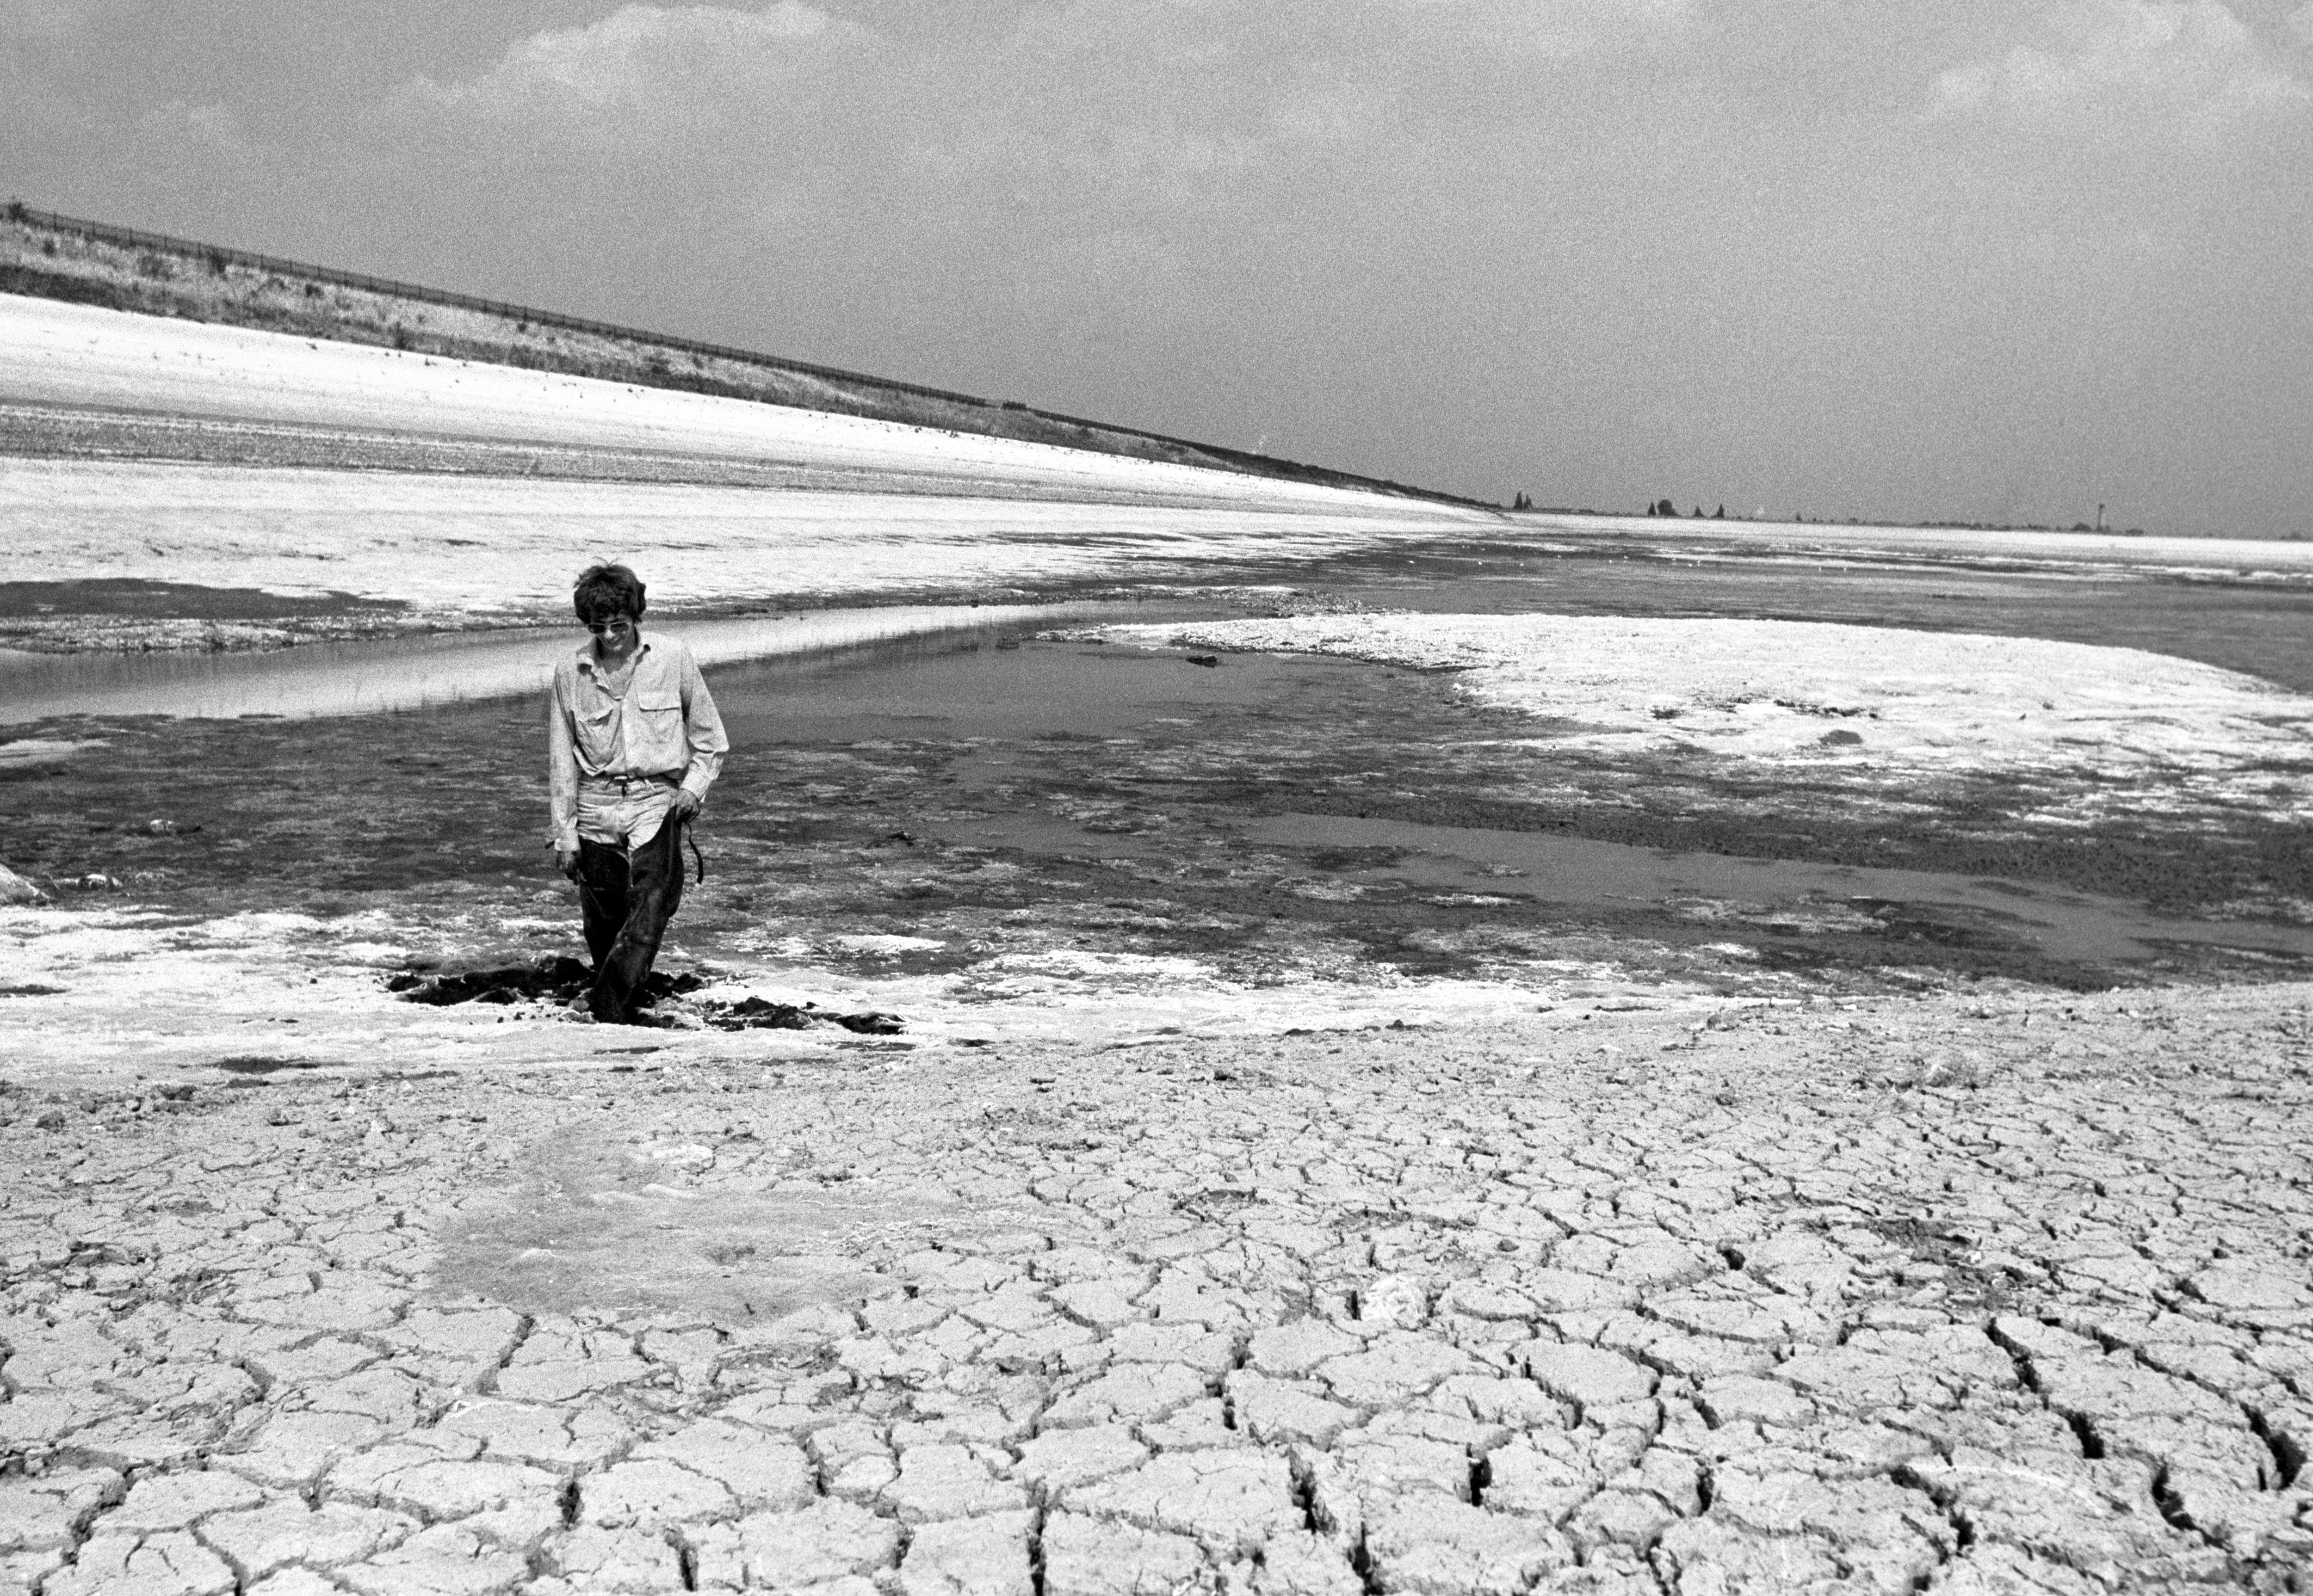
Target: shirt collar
(587,661)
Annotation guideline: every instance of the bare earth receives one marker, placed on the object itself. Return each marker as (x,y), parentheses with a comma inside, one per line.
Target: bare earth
(2006,1293)
(1630,1256)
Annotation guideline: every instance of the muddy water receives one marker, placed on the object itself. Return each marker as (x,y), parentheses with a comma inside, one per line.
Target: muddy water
(965,688)
(1088,736)
(1717,895)
(1719,890)
(938,803)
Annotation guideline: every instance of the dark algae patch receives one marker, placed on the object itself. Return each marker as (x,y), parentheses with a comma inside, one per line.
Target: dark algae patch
(557,978)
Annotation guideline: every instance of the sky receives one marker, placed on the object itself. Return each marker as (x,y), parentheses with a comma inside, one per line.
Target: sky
(1976,260)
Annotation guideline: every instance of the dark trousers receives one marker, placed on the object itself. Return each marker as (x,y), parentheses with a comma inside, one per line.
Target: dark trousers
(627,900)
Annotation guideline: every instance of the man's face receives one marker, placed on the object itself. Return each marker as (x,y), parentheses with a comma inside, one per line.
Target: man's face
(615,636)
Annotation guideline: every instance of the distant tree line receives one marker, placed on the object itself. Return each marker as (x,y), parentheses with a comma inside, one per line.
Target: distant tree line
(1667,507)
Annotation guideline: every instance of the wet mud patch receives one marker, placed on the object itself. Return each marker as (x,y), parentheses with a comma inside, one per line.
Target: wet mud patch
(269,1064)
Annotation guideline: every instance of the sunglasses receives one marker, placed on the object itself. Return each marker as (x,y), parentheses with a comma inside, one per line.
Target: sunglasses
(603,628)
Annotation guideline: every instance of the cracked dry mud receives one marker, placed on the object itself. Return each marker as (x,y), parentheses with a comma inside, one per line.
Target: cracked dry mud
(1968,1295)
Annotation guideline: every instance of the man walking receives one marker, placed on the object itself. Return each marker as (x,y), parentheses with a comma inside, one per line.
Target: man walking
(632,744)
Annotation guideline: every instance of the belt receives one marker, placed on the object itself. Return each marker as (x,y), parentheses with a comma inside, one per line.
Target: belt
(624,784)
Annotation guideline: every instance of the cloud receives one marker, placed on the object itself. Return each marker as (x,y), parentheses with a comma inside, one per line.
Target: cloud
(1060,116)
(1187,85)
(2187,66)
(639,58)
(1160,103)
(1547,29)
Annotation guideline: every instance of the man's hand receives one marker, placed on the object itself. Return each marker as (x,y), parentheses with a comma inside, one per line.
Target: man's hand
(685,804)
(565,860)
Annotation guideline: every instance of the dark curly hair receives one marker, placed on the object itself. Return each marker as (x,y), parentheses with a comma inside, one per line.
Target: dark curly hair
(606,590)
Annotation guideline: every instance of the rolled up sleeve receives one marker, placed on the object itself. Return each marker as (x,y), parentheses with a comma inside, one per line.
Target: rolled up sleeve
(702,727)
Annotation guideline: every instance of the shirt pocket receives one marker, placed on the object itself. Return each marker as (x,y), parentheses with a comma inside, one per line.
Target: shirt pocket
(654,735)
(596,729)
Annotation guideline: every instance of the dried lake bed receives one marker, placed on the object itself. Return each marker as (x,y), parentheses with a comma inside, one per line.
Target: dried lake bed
(1302,1050)
(1338,1130)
